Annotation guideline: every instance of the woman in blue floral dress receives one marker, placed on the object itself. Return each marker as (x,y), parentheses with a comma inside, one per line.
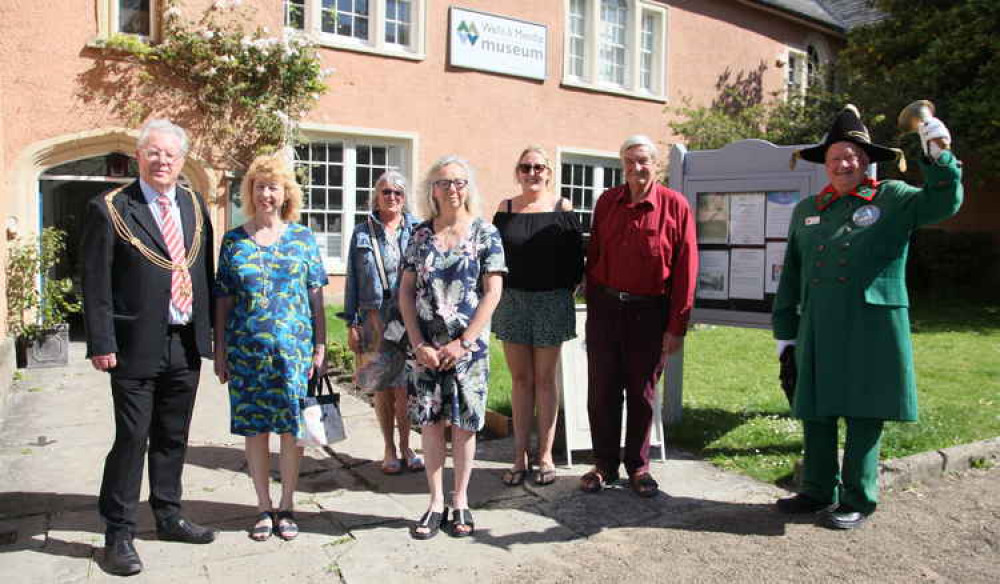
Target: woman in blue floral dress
(270,330)
(452,280)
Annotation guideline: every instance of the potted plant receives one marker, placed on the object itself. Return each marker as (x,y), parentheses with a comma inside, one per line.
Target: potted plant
(36,314)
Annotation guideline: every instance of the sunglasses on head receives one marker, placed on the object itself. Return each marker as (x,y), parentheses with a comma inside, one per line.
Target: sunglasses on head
(529,168)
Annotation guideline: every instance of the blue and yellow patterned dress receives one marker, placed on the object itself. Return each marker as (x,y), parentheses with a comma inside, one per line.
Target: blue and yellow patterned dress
(269,333)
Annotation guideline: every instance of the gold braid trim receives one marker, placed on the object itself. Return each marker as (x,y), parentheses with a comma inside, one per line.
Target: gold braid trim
(156,259)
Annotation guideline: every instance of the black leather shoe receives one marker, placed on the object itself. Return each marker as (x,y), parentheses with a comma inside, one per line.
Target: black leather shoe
(844,517)
(182,530)
(120,557)
(801,504)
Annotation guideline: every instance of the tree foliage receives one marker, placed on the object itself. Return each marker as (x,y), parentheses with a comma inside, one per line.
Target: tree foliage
(947,51)
(239,91)
(742,110)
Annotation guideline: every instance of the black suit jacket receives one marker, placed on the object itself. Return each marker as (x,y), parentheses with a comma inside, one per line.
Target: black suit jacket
(126,297)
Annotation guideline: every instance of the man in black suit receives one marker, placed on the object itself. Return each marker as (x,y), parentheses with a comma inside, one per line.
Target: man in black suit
(147,271)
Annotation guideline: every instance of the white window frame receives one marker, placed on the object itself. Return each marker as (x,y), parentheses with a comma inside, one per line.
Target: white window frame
(108,16)
(632,87)
(799,82)
(796,78)
(415,50)
(601,160)
(352,136)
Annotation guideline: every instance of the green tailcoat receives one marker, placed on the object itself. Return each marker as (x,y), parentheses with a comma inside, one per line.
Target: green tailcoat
(842,295)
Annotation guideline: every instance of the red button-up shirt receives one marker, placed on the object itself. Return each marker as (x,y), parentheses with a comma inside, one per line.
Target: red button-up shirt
(647,248)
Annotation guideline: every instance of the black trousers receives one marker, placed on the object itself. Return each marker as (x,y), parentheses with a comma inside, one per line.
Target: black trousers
(153,412)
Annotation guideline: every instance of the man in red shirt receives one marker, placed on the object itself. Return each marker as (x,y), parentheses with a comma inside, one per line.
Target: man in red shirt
(642,265)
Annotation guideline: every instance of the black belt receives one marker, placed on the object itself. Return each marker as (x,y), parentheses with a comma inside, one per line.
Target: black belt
(628,297)
(178,328)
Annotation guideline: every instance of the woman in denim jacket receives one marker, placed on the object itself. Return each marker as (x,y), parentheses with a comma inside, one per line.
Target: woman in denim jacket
(367,305)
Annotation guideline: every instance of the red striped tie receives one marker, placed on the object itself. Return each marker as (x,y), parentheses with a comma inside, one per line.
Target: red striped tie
(180,284)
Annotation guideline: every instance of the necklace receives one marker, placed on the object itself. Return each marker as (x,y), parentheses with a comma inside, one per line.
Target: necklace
(266,287)
(265,278)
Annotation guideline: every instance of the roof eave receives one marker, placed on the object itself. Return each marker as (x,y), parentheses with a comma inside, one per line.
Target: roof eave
(838,31)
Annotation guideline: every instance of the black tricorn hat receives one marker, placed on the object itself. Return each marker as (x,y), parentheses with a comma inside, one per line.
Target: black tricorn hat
(847,127)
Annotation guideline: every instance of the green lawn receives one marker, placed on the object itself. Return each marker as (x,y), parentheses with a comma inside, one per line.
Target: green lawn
(736,416)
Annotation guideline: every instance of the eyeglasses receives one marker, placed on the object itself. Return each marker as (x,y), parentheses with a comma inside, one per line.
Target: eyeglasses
(161,155)
(445,184)
(392,193)
(530,168)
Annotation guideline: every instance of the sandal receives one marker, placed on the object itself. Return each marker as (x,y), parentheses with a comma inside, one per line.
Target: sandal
(593,481)
(546,475)
(461,524)
(431,521)
(414,464)
(513,477)
(287,528)
(644,484)
(392,467)
(263,527)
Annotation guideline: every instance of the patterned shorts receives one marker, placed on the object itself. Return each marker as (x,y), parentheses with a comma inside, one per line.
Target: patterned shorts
(544,318)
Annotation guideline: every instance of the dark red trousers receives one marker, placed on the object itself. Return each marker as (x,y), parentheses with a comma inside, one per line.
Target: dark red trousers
(624,362)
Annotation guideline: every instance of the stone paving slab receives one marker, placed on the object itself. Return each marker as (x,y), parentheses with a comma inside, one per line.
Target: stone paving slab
(354,520)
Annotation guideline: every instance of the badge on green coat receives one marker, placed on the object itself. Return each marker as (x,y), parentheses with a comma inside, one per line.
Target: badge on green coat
(866,215)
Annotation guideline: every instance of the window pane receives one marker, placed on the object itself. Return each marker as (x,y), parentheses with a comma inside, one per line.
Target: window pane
(614,17)
(647,51)
(318,198)
(328,206)
(317,176)
(397,22)
(295,16)
(583,181)
(577,28)
(329,21)
(344,24)
(133,17)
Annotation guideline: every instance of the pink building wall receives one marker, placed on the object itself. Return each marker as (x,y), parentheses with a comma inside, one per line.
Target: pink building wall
(47,53)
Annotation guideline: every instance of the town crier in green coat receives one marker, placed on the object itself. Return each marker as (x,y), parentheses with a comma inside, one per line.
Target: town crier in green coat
(841,313)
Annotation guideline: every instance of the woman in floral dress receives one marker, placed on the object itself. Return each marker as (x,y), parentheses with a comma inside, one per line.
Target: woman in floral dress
(270,331)
(452,280)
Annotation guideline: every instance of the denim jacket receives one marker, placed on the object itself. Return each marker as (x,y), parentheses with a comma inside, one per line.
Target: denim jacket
(363,289)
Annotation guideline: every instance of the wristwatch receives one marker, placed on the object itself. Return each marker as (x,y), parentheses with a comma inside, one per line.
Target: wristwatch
(467,345)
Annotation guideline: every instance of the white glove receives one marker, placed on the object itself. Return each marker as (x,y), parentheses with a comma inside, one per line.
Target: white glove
(783,344)
(933,129)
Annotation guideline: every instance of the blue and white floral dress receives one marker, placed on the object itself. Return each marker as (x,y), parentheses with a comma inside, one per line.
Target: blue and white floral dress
(448,290)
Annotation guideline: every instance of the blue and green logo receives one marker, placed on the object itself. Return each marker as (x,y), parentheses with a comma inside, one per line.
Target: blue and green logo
(468,32)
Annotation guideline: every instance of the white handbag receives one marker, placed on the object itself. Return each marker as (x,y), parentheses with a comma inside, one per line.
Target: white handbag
(322,422)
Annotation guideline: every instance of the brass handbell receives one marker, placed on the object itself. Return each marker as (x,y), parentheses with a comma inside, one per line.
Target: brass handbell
(914,114)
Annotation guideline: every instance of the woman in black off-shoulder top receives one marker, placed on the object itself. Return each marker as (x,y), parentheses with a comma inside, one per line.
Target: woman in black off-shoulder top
(542,241)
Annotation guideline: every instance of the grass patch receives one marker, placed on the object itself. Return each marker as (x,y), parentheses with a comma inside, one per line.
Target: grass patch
(498,397)
(736,416)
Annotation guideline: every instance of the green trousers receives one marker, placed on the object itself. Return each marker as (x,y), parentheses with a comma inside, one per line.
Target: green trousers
(856,484)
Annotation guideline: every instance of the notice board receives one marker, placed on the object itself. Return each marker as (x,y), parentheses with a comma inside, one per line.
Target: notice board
(742,196)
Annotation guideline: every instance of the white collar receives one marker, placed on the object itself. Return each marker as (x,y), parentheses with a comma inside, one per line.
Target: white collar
(151,194)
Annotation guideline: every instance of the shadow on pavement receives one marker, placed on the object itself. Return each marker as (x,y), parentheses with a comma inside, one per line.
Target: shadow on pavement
(27,520)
